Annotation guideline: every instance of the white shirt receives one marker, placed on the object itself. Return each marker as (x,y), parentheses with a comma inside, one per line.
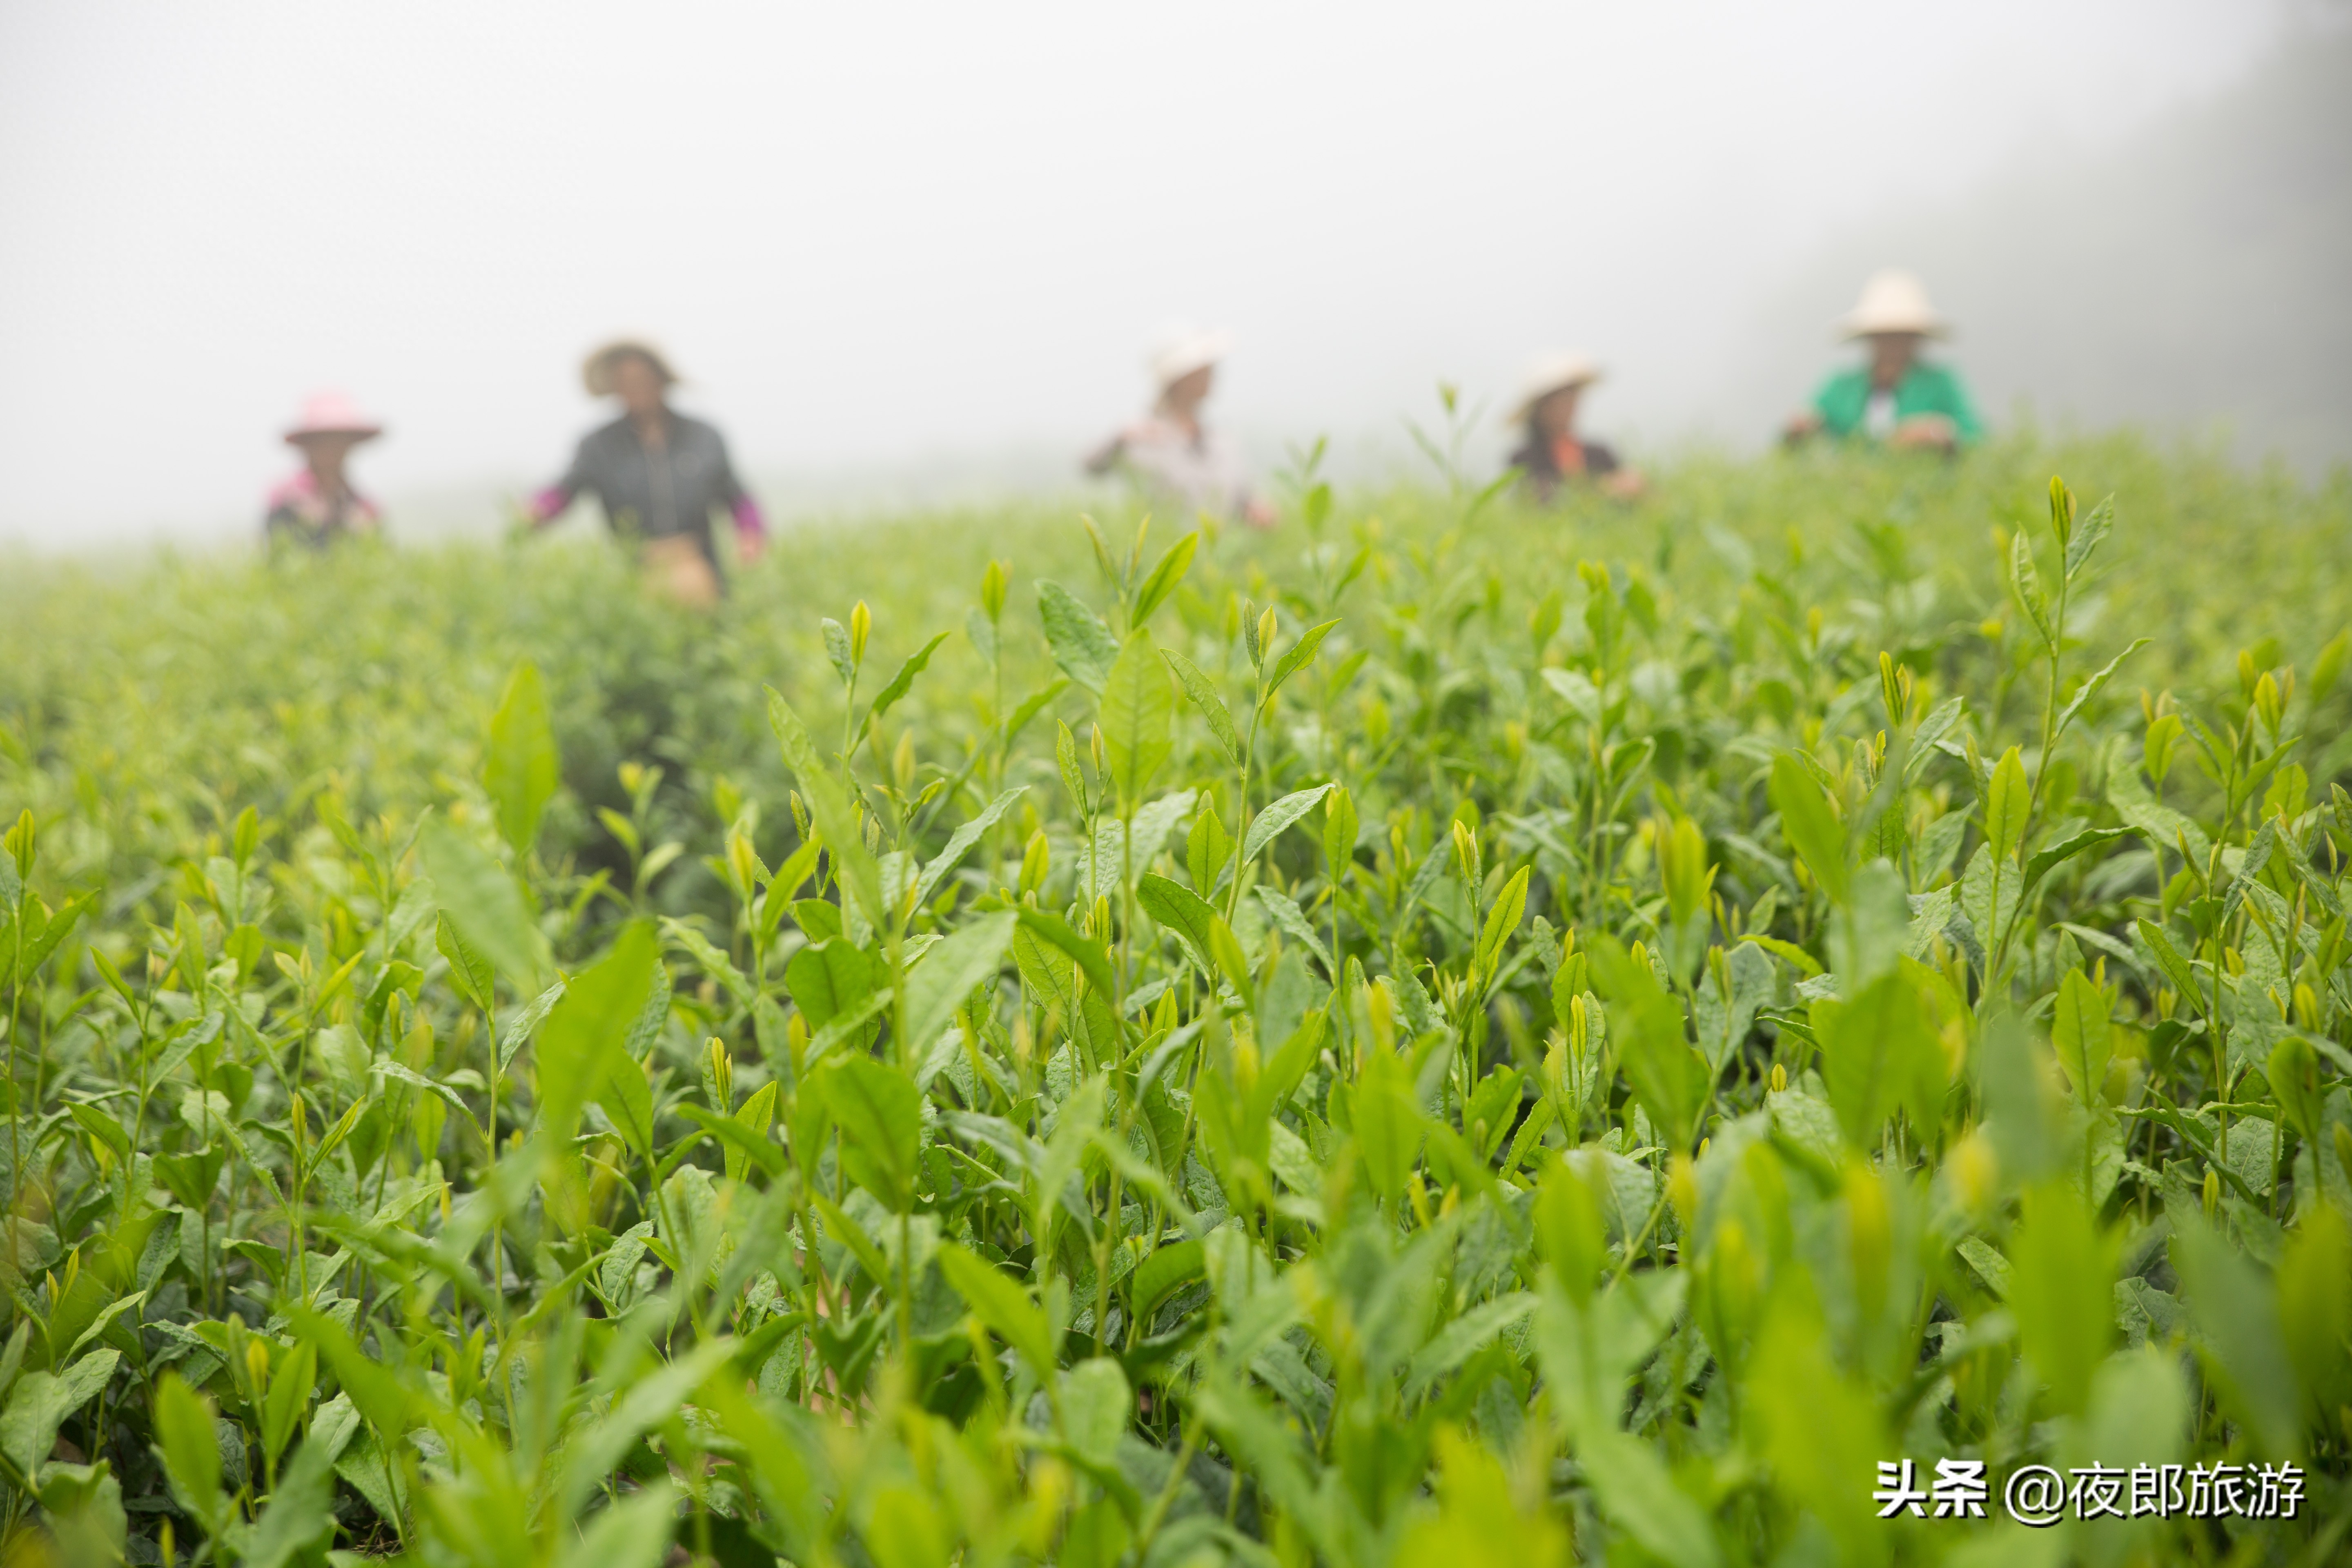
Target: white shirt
(1204,471)
(1878,415)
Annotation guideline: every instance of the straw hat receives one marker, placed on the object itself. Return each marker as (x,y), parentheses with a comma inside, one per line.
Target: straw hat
(1894,301)
(596,370)
(331,414)
(1181,350)
(1553,372)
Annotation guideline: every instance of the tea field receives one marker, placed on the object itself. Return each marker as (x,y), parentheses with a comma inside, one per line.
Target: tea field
(1743,1028)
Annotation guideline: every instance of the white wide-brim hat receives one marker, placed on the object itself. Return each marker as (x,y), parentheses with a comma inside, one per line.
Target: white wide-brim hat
(1893,300)
(1553,372)
(1181,350)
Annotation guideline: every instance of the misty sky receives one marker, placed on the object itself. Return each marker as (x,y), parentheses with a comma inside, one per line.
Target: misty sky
(876,235)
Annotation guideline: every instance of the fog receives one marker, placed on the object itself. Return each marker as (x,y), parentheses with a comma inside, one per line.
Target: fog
(925,246)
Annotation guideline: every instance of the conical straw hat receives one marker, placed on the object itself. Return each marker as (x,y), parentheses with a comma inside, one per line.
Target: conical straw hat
(1551,372)
(1894,301)
(1181,350)
(596,370)
(332,414)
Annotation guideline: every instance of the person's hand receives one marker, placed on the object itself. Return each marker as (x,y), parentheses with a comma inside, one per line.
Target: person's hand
(1932,432)
(750,546)
(521,519)
(1100,461)
(1259,513)
(1624,484)
(1801,428)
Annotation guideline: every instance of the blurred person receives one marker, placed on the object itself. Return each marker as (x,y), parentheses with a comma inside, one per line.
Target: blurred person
(1897,399)
(319,505)
(1171,449)
(1551,455)
(659,475)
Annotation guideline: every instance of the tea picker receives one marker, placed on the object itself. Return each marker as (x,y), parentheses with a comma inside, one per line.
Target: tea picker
(1551,455)
(658,474)
(1171,450)
(319,505)
(1897,399)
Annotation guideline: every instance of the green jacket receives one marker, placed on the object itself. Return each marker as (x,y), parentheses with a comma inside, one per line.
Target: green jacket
(1925,389)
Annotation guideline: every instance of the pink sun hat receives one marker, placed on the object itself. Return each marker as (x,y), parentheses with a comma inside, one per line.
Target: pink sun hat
(332,414)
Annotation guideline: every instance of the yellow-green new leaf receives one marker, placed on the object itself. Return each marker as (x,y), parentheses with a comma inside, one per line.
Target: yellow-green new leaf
(2082,1036)
(484,901)
(1810,824)
(523,766)
(1003,1307)
(2026,584)
(829,805)
(2007,804)
(1138,709)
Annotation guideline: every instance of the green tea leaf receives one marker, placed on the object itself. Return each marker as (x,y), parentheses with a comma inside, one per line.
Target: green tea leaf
(1301,654)
(1138,709)
(829,805)
(1164,578)
(1159,1276)
(1181,910)
(2044,862)
(1389,1124)
(40,1403)
(1003,1307)
(1205,697)
(1096,1405)
(1502,921)
(831,977)
(1082,646)
(2061,1288)
(468,969)
(1811,825)
(959,843)
(584,1043)
(1879,1053)
(191,1458)
(904,681)
(881,1121)
(1087,954)
(2082,1036)
(1281,813)
(522,767)
(2088,532)
(2091,688)
(966,958)
(2025,583)
(2006,806)
(484,902)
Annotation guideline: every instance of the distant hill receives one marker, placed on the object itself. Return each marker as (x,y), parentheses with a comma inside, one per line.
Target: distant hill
(2197,278)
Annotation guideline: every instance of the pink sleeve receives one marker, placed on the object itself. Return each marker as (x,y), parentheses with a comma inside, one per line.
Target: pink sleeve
(748,523)
(548,503)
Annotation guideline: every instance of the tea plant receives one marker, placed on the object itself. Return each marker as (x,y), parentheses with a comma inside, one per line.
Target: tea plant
(1470,1036)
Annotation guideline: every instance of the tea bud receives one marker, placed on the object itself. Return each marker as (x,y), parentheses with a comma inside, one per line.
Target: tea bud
(722,1077)
(992,590)
(1465,851)
(2269,703)
(1976,1172)
(1035,861)
(1682,1190)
